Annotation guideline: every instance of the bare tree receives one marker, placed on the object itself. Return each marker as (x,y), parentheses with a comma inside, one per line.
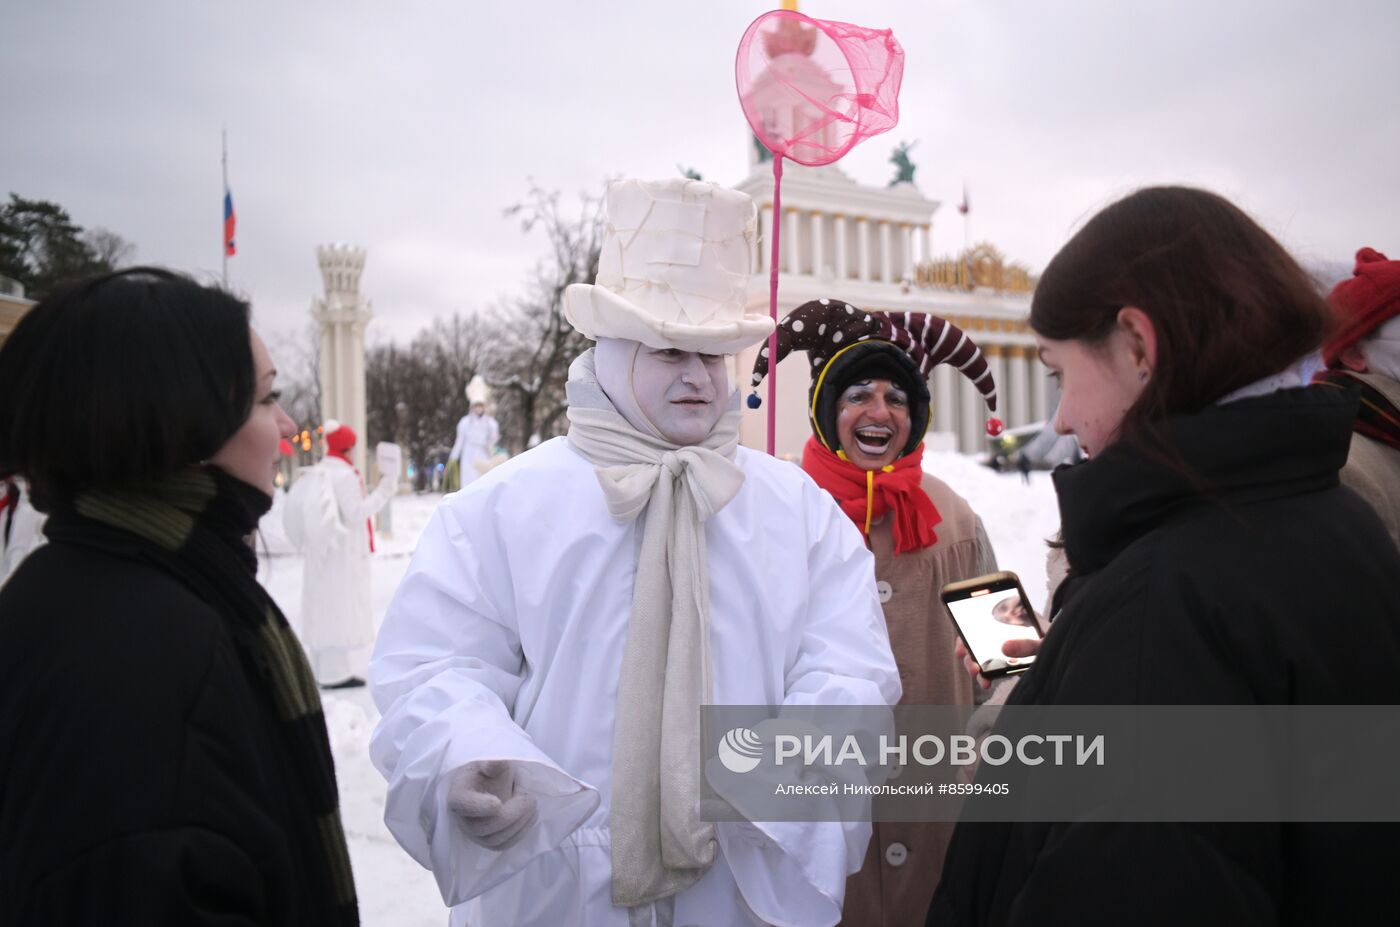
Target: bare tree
(457,348)
(108,247)
(532,343)
(416,394)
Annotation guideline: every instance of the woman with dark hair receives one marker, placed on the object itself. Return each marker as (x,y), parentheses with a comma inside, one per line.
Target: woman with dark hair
(1214,560)
(163,756)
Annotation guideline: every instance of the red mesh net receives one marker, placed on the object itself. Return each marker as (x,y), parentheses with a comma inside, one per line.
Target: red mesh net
(812,89)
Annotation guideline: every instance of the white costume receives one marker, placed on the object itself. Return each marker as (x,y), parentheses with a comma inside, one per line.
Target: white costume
(542,668)
(337,625)
(505,640)
(477,437)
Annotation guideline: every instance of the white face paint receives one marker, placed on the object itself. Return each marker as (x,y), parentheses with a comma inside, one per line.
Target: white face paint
(681,393)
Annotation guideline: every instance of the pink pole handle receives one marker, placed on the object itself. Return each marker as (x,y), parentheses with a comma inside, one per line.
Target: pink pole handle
(773,306)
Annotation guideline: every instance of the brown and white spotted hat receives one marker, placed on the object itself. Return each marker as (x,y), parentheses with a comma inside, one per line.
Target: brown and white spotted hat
(845,345)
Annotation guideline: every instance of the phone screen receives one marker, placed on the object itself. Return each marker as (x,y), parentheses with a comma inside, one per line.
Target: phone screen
(989,618)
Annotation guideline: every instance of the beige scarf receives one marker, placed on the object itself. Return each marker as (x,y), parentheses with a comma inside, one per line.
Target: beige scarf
(659,844)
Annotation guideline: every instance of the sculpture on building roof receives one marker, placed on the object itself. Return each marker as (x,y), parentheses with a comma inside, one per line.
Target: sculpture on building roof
(903,166)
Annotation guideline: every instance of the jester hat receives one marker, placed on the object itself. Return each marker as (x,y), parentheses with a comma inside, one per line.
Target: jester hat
(846,345)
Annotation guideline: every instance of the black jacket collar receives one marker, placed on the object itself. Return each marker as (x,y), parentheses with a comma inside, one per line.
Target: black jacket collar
(1282,444)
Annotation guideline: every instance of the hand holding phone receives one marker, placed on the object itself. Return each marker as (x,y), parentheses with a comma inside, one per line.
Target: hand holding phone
(996,625)
(1013,648)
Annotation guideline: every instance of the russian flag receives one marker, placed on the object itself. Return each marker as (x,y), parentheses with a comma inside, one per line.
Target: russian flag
(230,221)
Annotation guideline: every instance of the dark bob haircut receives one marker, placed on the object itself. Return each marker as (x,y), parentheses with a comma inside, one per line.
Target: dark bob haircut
(127,376)
(1230,306)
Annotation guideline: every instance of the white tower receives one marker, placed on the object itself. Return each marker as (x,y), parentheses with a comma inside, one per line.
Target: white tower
(342,315)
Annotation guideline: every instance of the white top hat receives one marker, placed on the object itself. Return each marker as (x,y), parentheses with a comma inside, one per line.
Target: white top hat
(674,269)
(478,391)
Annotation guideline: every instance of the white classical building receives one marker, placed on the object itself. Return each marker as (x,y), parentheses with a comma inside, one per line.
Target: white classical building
(870,246)
(342,315)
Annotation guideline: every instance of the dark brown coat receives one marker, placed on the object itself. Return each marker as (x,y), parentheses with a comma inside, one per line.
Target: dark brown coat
(894,886)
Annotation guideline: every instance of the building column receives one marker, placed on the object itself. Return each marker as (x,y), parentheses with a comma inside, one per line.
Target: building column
(1019,410)
(997,363)
(838,231)
(357,391)
(863,247)
(761,242)
(970,416)
(927,244)
(886,264)
(945,386)
(818,246)
(337,366)
(1040,402)
(906,250)
(327,370)
(794,241)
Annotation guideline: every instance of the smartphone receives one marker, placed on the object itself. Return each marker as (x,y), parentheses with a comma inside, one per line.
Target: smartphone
(988,611)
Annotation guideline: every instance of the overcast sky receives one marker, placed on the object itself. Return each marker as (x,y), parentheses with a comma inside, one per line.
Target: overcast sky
(408,127)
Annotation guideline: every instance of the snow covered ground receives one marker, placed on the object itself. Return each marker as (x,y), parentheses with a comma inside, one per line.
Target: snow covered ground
(394,890)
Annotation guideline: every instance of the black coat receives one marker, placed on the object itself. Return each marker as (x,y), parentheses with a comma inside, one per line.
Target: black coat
(141,777)
(1261,593)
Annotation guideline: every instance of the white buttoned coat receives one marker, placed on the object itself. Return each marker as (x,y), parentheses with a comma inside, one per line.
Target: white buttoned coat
(505,641)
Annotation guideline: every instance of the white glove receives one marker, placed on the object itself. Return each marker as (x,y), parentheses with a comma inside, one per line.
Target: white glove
(493,812)
(388,457)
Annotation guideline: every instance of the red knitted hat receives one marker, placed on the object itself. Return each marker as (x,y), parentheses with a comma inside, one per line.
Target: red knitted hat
(1362,303)
(340,440)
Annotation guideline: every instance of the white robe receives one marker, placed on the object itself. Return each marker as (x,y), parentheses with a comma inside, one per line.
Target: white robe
(477,436)
(505,641)
(337,621)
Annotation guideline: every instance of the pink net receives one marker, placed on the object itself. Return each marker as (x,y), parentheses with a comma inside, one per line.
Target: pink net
(812,89)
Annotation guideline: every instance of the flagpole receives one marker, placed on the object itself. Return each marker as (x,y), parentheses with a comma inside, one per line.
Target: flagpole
(967,221)
(966,209)
(223,244)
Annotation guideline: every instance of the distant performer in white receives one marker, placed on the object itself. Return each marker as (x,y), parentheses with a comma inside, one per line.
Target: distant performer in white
(542,667)
(477,436)
(328,517)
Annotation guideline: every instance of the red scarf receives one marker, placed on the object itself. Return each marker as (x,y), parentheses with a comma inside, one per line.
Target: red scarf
(867,494)
(369,522)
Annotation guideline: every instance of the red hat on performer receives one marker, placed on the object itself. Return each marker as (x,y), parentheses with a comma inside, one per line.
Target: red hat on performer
(1362,302)
(339,438)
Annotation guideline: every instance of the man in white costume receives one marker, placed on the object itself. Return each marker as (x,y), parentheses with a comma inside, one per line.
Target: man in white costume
(543,664)
(477,434)
(337,623)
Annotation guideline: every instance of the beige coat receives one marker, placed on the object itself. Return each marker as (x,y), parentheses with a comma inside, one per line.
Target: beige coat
(1373,468)
(903,863)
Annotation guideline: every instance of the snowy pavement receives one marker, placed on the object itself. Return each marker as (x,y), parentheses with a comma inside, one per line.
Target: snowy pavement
(394,890)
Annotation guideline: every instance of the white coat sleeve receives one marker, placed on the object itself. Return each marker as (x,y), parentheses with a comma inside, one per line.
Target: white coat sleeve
(460,441)
(794,872)
(355,505)
(495,437)
(446,670)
